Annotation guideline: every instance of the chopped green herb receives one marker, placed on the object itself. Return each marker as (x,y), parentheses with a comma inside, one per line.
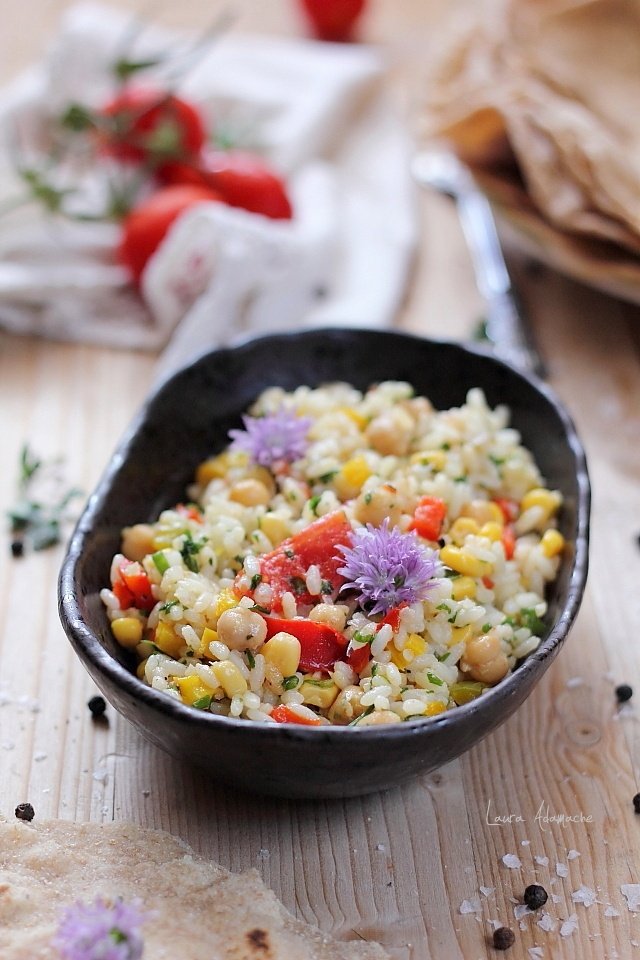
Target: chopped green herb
(168,605)
(160,561)
(45,535)
(480,329)
(313,504)
(255,580)
(444,606)
(360,637)
(497,461)
(461,479)
(328,477)
(289,554)
(326,587)
(298,585)
(442,657)
(39,522)
(365,714)
(532,621)
(486,627)
(434,679)
(258,608)
(368,497)
(445,446)
(203,703)
(451,574)
(510,621)
(323,684)
(251,660)
(290,683)
(374,669)
(190,549)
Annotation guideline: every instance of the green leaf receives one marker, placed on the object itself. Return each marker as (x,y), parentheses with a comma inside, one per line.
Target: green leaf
(77,118)
(45,535)
(313,504)
(251,660)
(365,714)
(290,683)
(434,679)
(255,580)
(203,703)
(124,68)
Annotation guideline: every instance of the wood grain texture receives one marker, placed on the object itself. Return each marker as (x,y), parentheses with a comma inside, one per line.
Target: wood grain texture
(394,867)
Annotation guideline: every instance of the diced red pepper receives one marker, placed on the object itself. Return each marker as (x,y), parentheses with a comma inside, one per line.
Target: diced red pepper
(359,657)
(190,512)
(284,714)
(510,508)
(393,617)
(509,541)
(137,585)
(320,644)
(285,568)
(123,594)
(488,582)
(428,517)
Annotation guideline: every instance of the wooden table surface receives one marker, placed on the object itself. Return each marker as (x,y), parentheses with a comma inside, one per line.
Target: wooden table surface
(394,867)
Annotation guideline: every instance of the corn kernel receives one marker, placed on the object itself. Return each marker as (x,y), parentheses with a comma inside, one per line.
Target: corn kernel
(464,562)
(436,459)
(208,636)
(462,528)
(348,481)
(191,688)
(141,668)
(463,587)
(226,600)
(229,678)
(127,631)
(275,528)
(549,500)
(552,543)
(460,635)
(483,511)
(491,530)
(168,640)
(416,644)
(434,708)
(283,651)
(358,418)
(320,693)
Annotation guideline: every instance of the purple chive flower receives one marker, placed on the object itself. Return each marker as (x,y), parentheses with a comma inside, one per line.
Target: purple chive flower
(277,436)
(100,931)
(388,567)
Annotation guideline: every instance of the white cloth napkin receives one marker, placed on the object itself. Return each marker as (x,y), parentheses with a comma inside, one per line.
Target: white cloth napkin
(319,112)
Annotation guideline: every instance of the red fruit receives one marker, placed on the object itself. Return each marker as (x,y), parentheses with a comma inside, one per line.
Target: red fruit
(149,124)
(146,225)
(333,19)
(242,179)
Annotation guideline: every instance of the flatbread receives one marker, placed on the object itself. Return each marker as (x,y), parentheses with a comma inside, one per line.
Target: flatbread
(197,909)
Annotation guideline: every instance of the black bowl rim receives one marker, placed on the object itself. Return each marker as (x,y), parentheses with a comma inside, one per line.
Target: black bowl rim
(494,700)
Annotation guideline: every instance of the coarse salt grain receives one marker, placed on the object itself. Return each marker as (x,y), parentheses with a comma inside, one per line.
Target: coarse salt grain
(546,923)
(470,906)
(487,891)
(584,895)
(569,926)
(511,861)
(573,855)
(631,893)
(573,682)
(525,843)
(562,870)
(543,861)
(521,910)
(536,952)
(611,912)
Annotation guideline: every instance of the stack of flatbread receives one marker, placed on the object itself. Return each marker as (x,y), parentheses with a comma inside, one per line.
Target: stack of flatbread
(541,98)
(196,909)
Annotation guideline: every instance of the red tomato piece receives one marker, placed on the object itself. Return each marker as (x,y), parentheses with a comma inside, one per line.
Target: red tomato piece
(320,644)
(285,568)
(148,124)
(333,19)
(146,226)
(428,517)
(242,179)
(510,508)
(284,714)
(509,541)
(137,583)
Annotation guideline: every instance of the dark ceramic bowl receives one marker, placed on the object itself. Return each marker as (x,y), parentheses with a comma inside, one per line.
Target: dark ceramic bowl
(186,421)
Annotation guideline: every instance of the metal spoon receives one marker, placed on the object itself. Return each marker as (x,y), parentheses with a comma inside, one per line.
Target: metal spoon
(506,328)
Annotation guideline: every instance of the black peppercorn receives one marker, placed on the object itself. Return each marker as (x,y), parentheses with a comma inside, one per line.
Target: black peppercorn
(503,938)
(624,692)
(535,896)
(97,705)
(17,548)
(636,803)
(24,811)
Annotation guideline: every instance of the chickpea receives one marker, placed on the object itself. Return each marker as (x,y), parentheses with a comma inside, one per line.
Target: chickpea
(346,707)
(379,716)
(241,629)
(390,433)
(250,493)
(484,658)
(373,506)
(137,541)
(333,614)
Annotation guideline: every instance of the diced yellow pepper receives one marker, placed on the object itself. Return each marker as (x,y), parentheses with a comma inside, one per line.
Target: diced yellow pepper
(416,644)
(320,693)
(168,640)
(464,562)
(127,631)
(463,588)
(229,678)
(397,657)
(275,528)
(483,511)
(350,478)
(434,708)
(283,650)
(493,531)
(358,418)
(191,688)
(436,459)
(462,528)
(460,635)
(141,668)
(226,600)
(549,500)
(552,543)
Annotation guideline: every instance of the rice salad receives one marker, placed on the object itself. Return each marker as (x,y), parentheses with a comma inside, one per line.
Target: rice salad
(350,558)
